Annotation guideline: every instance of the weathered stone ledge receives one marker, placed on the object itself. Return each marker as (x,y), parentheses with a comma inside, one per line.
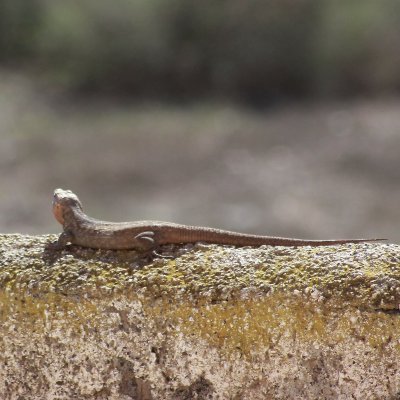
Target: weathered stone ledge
(213,322)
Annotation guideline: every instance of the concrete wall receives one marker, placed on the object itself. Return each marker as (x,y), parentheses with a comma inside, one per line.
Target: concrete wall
(211,323)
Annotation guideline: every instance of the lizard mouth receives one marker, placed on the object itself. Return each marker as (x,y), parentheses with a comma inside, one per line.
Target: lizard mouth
(57,207)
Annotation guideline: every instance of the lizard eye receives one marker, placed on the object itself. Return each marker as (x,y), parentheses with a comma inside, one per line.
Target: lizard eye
(55,198)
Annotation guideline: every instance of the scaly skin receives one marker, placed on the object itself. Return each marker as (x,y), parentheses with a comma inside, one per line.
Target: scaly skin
(84,231)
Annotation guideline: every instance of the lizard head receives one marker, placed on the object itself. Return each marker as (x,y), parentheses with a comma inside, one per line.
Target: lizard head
(63,200)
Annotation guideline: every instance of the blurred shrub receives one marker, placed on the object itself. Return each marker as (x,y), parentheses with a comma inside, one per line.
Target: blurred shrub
(180,47)
(255,50)
(18,22)
(357,47)
(98,44)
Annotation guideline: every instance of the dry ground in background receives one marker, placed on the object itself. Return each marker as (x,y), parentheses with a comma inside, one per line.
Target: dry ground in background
(313,171)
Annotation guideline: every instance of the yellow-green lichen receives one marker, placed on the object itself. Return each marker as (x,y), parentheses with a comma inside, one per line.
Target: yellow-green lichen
(249,325)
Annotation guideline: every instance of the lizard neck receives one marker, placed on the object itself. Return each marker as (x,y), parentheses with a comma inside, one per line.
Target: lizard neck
(75,218)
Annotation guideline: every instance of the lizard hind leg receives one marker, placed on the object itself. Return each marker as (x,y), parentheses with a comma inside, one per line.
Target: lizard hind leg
(145,241)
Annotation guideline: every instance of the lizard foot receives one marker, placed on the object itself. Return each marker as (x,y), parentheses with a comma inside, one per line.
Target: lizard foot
(155,253)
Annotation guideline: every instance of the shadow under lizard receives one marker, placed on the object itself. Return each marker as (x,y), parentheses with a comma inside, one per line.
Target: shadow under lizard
(143,236)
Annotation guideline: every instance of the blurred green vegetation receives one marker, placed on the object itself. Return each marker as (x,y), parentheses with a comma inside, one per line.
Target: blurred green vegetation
(253,50)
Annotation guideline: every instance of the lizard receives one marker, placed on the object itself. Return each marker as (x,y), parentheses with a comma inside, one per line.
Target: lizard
(143,236)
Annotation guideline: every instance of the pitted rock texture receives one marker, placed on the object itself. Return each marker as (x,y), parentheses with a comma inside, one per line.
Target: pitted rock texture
(212,322)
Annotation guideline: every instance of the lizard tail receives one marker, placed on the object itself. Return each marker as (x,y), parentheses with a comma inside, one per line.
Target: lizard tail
(217,236)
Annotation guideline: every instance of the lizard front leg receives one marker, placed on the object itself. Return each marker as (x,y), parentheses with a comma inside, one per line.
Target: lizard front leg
(65,238)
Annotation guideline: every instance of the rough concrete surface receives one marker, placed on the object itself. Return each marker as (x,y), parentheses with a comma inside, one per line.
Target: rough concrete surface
(212,322)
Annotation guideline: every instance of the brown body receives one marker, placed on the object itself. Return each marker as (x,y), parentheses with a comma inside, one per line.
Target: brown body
(146,235)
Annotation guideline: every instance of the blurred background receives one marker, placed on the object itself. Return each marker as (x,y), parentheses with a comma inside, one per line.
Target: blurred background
(275,117)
